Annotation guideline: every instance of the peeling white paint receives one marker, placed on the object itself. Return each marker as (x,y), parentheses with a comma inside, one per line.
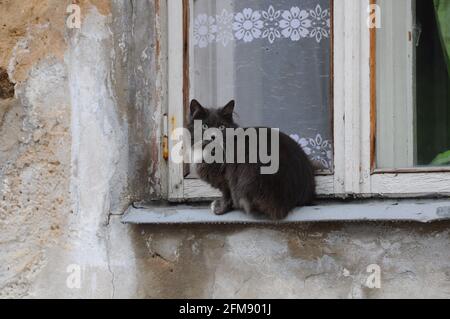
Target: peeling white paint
(99,158)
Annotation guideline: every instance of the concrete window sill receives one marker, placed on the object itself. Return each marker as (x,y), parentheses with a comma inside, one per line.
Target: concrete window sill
(423,211)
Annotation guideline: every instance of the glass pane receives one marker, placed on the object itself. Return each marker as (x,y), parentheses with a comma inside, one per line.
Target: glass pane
(273,58)
(433,84)
(413,99)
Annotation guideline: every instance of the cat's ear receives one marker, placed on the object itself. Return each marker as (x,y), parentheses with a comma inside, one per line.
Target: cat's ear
(228,110)
(197,110)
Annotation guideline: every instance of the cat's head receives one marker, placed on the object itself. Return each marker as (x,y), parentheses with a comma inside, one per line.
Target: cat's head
(220,118)
(212,124)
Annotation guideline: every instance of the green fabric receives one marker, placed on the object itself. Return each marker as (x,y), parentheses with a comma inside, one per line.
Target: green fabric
(442,8)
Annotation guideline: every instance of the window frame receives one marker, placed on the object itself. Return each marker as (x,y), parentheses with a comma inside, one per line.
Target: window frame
(354,112)
(400,182)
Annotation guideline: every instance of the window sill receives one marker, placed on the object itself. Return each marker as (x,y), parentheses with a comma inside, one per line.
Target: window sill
(422,211)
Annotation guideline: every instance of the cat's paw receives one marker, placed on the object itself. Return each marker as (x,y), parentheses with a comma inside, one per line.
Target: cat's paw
(219,207)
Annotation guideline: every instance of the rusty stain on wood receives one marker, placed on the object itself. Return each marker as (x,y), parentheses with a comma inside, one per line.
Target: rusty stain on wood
(373,94)
(186,62)
(186,68)
(166,148)
(158,154)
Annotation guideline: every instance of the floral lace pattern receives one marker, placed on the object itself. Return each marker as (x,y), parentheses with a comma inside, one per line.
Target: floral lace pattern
(271,25)
(204,30)
(318,149)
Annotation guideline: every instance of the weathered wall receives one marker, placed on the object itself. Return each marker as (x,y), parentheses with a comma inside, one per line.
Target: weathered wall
(79,117)
(307,261)
(66,162)
(35,141)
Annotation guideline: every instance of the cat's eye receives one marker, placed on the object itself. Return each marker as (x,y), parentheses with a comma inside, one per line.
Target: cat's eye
(205,126)
(222,128)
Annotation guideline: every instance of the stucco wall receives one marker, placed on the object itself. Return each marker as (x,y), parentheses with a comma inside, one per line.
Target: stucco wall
(79,141)
(76,137)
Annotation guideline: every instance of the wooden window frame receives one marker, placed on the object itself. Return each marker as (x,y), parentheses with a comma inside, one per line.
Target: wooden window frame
(400,182)
(354,112)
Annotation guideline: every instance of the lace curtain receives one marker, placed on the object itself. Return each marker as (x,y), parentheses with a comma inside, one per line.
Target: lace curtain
(273,58)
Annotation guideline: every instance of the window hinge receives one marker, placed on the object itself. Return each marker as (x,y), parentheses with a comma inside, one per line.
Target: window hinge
(165,140)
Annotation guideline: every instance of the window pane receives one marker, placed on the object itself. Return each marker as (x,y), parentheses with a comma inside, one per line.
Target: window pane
(273,58)
(413,102)
(433,85)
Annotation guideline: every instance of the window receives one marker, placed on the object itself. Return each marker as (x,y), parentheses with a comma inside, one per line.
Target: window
(413,87)
(249,51)
(412,106)
(355,98)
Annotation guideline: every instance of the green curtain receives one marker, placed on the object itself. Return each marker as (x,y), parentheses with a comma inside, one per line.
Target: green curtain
(442,8)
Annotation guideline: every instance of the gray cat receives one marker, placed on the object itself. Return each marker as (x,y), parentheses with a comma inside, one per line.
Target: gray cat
(242,185)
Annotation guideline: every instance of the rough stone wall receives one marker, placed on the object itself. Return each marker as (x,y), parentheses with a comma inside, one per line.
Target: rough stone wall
(34,141)
(302,261)
(67,97)
(79,117)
